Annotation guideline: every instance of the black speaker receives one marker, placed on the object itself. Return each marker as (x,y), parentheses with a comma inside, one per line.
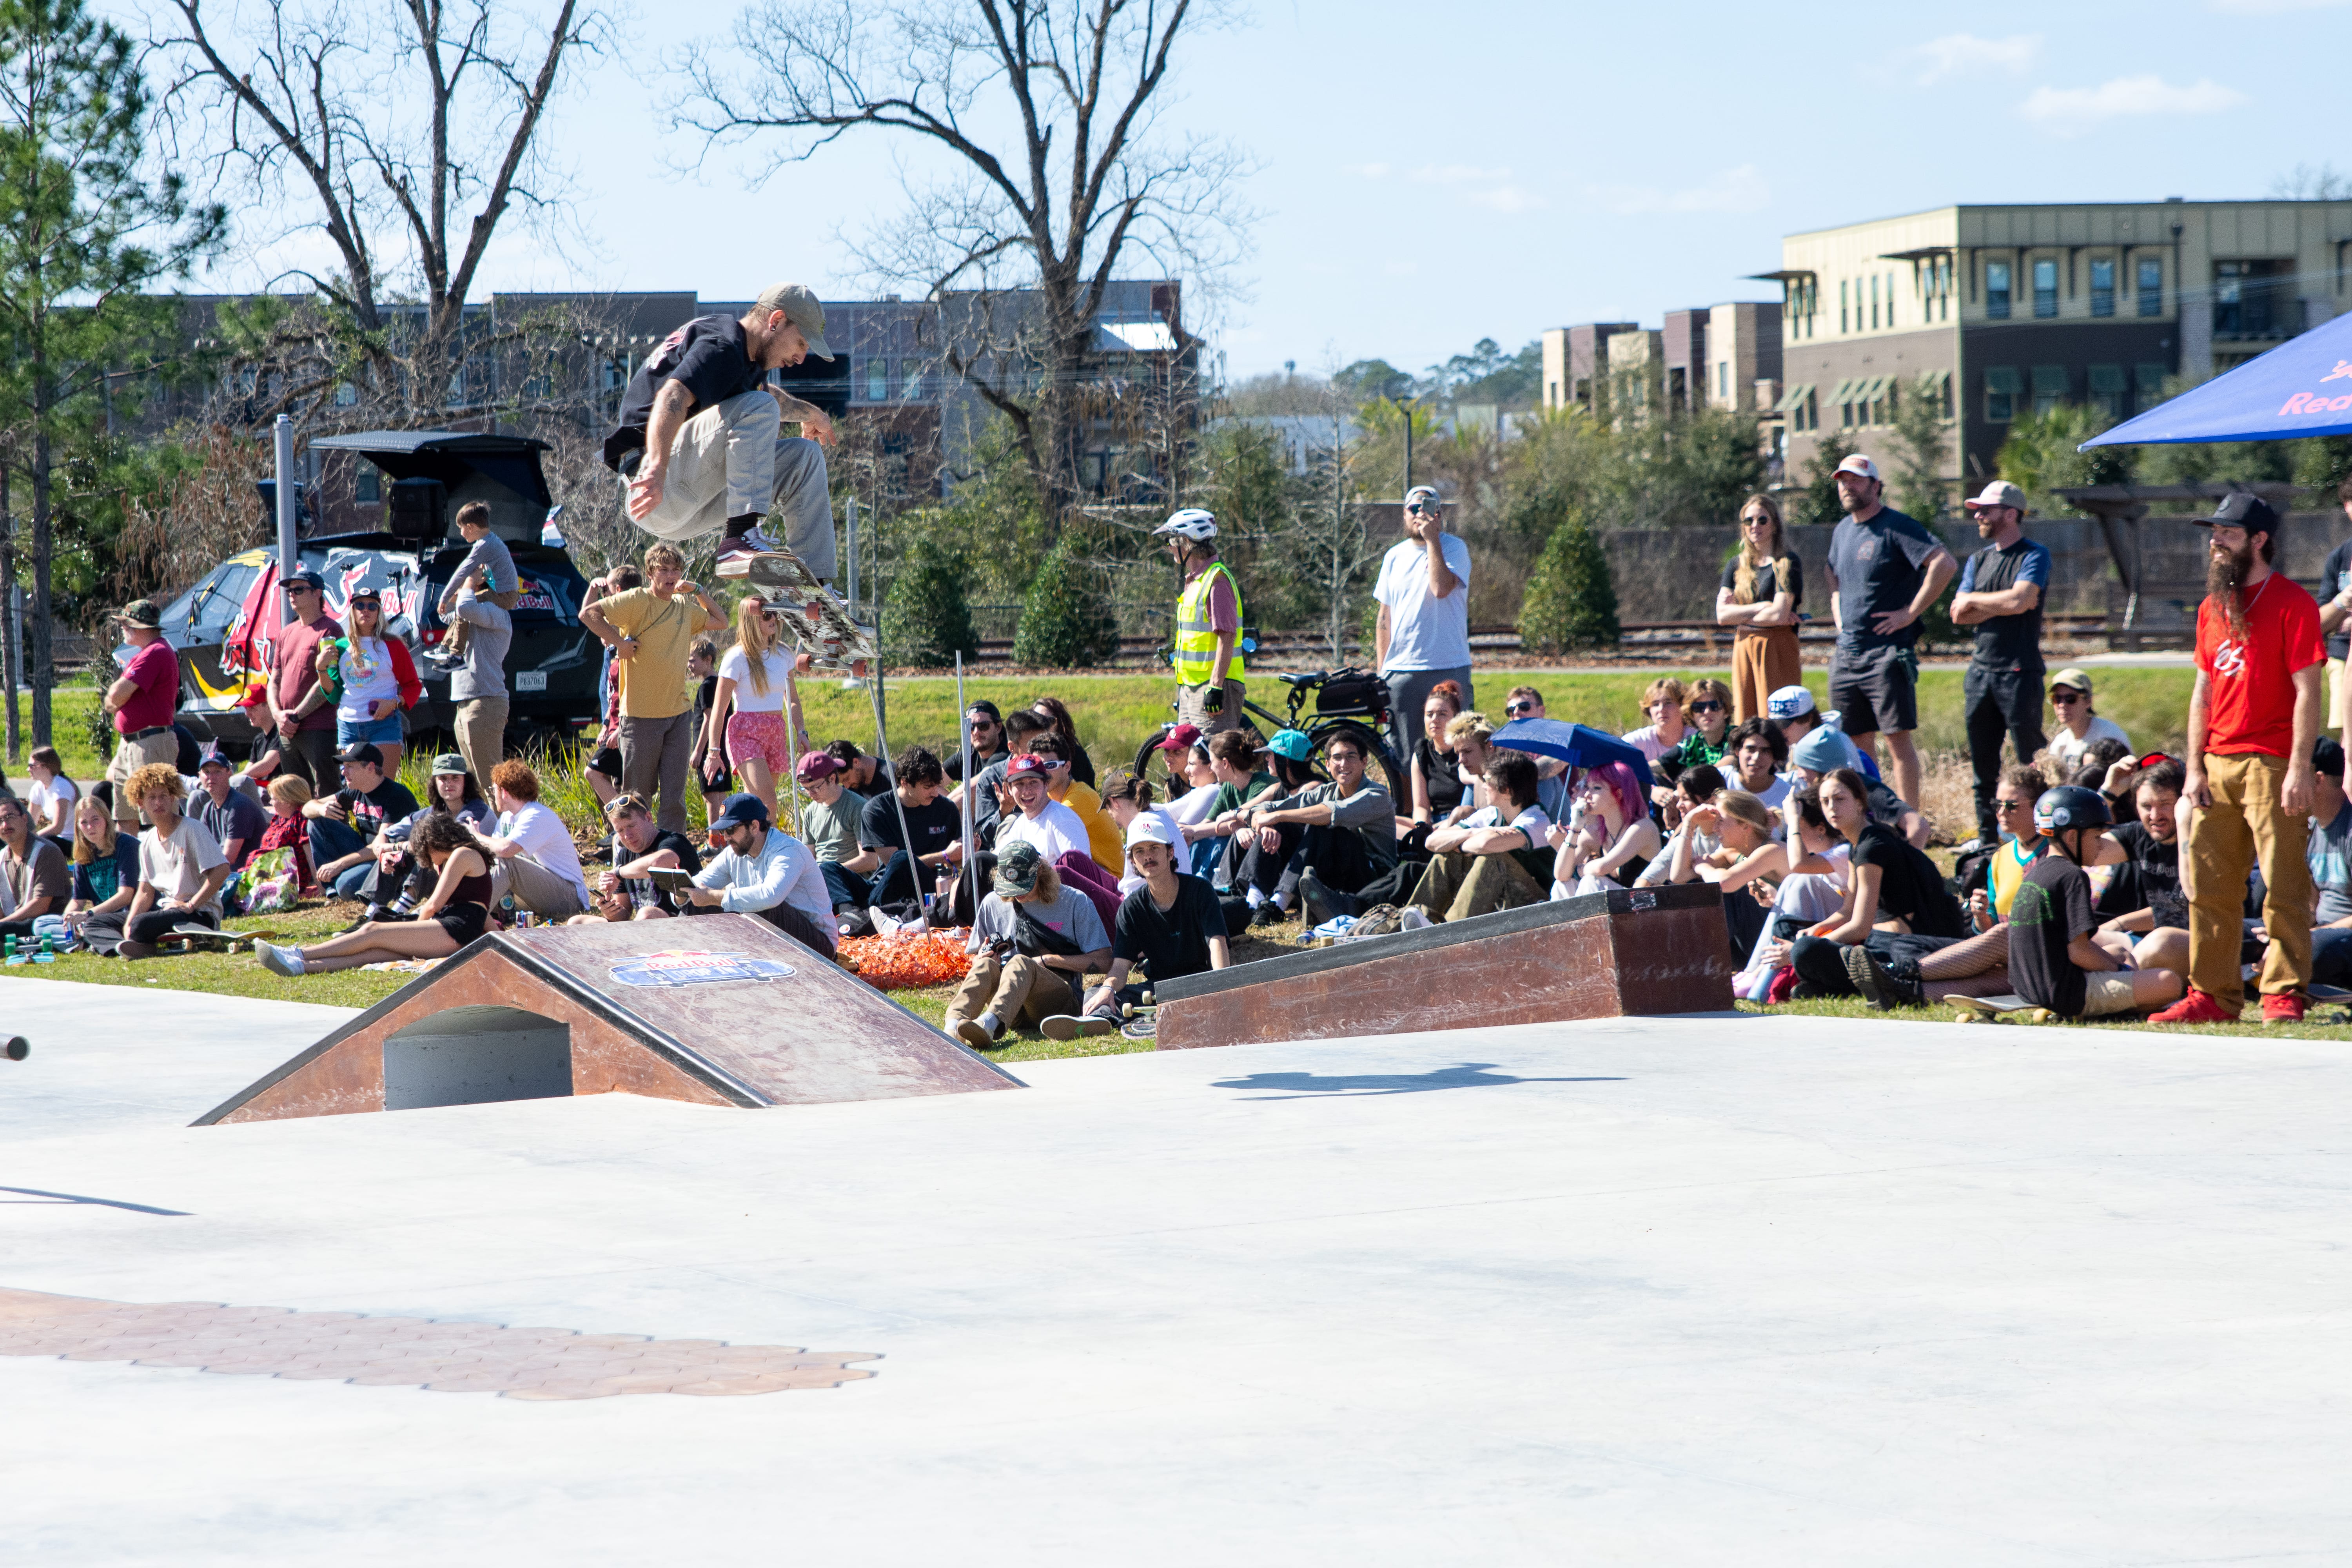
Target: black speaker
(416,509)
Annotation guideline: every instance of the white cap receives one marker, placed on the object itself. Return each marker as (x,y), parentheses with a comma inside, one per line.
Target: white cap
(1148,827)
(1856,463)
(1789,702)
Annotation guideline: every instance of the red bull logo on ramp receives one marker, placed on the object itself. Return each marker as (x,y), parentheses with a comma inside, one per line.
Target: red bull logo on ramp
(680,967)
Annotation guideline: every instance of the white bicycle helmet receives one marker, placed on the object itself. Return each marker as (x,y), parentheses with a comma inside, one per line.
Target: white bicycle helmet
(1192,523)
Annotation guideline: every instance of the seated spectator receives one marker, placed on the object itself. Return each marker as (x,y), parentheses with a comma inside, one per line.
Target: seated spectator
(988,802)
(1792,707)
(1102,832)
(289,829)
(984,725)
(1693,789)
(2079,723)
(1035,817)
(456,912)
(2021,846)
(640,846)
(860,774)
(51,795)
(828,823)
(935,823)
(2330,855)
(179,871)
(1498,858)
(344,824)
(1668,726)
(1894,890)
(1436,781)
(105,864)
(1056,713)
(1614,837)
(32,869)
(765,871)
(1816,757)
(1170,924)
(1746,856)
(1127,799)
(1812,891)
(2056,959)
(1193,807)
(233,820)
(399,883)
(533,858)
(1322,837)
(1241,782)
(2144,900)
(1709,738)
(1757,755)
(1034,943)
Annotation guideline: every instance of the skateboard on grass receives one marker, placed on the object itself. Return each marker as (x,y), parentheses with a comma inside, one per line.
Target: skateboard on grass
(2004,1009)
(818,622)
(195,938)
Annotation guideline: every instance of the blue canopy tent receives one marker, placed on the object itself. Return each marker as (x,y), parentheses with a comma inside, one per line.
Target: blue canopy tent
(1578,745)
(2303,387)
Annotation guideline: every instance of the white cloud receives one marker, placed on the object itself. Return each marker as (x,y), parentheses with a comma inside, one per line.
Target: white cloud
(1956,53)
(2071,109)
(1508,199)
(1739,190)
(1457,175)
(1369,171)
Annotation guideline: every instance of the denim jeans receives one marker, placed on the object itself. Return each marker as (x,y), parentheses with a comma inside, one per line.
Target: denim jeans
(331,840)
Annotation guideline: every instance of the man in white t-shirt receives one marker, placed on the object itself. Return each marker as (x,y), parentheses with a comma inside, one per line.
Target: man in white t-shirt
(533,856)
(181,868)
(1423,634)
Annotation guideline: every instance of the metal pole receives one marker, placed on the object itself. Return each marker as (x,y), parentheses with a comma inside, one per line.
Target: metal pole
(284,432)
(971,855)
(852,505)
(906,834)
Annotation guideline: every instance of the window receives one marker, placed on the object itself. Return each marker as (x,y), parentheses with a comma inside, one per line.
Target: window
(877,380)
(2151,288)
(346,394)
(1997,294)
(2001,386)
(2050,384)
(2045,288)
(369,487)
(1555,394)
(2107,390)
(1841,327)
(1723,379)
(2103,288)
(1873,304)
(913,390)
(2147,385)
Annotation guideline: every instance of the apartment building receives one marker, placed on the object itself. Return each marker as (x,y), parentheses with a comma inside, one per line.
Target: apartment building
(1576,364)
(1707,357)
(1992,311)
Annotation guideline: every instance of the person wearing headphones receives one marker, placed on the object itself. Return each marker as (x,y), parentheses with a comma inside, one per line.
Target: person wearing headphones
(1209,666)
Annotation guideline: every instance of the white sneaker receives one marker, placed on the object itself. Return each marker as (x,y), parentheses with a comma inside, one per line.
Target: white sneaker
(285,960)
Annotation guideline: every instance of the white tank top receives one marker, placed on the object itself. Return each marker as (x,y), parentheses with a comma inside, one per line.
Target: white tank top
(1811,896)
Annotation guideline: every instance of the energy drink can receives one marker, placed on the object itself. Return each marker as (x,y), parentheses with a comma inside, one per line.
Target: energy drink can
(525,920)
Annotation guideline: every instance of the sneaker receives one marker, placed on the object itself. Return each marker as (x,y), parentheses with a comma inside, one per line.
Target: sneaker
(1316,898)
(2283,1008)
(2197,1008)
(976,1035)
(1879,986)
(285,960)
(1269,914)
(738,550)
(1065,1027)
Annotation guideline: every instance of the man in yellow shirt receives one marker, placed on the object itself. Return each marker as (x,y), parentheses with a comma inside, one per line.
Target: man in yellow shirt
(651,631)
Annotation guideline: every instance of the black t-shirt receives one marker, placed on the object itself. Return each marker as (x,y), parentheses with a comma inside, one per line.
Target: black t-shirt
(2333,580)
(954,762)
(935,826)
(240,819)
(1442,770)
(2008,642)
(644,891)
(1879,566)
(2150,879)
(367,814)
(1173,942)
(1769,586)
(2052,909)
(707,356)
(1908,884)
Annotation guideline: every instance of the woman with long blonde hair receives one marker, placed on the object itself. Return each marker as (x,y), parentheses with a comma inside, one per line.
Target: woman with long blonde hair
(1761,589)
(748,708)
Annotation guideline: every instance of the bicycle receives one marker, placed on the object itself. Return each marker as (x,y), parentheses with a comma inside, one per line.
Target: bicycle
(1349,702)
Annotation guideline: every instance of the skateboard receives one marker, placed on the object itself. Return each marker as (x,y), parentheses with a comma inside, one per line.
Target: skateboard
(818,622)
(202,939)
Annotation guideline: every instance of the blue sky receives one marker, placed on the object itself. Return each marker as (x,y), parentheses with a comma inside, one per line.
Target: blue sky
(1429,175)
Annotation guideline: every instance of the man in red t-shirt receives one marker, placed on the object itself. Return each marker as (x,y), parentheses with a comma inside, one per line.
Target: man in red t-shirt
(2251,721)
(140,702)
(292,703)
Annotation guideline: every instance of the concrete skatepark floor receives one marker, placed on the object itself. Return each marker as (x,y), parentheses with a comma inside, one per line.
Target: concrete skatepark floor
(1754,1290)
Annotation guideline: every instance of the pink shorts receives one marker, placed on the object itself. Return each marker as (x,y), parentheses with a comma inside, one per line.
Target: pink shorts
(761,736)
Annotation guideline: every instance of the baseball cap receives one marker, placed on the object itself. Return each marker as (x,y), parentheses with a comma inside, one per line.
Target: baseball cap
(1856,463)
(1292,744)
(815,766)
(305,578)
(1149,827)
(2326,757)
(1026,765)
(2074,679)
(983,705)
(374,596)
(1423,492)
(1017,869)
(2243,509)
(1183,737)
(1822,752)
(361,751)
(1789,702)
(140,613)
(213,757)
(741,811)
(1999,492)
(448,762)
(800,306)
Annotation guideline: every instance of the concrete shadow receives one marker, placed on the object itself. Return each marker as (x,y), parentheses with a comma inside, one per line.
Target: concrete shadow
(1320,1086)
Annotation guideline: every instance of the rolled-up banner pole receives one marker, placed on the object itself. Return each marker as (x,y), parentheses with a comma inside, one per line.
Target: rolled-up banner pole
(963,724)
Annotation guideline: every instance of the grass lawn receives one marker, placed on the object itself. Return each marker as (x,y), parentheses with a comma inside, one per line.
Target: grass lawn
(240,974)
(2322,1025)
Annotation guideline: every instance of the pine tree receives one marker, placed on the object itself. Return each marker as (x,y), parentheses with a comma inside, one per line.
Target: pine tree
(1062,621)
(1571,599)
(926,618)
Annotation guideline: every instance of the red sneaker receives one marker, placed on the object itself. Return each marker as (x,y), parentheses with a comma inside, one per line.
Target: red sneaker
(2285,1007)
(2196,1007)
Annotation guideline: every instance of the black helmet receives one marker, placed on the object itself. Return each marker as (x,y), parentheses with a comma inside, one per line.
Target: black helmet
(2070,805)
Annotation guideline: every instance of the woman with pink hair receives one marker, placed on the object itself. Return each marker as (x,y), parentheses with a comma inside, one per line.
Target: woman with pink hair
(1614,839)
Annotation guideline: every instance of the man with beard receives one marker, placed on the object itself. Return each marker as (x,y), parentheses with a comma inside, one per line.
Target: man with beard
(2252,721)
(1885,570)
(2000,595)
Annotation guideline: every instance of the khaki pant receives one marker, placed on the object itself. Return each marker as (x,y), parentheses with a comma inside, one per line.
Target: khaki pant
(128,757)
(2245,821)
(1192,708)
(730,460)
(547,894)
(653,753)
(481,724)
(2335,717)
(1762,663)
(1019,990)
(1458,886)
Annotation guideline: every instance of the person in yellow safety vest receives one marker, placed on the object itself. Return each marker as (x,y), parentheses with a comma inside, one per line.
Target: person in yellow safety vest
(1209,667)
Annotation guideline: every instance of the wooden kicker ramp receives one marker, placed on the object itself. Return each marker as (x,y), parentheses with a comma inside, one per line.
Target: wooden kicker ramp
(1605,955)
(717,1010)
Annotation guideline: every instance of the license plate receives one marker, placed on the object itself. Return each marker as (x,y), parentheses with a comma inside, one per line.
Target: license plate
(530,681)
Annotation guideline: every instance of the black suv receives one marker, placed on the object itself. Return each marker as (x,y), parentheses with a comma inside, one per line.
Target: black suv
(221,627)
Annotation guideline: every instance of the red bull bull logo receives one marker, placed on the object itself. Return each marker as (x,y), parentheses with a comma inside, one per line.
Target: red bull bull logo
(683,967)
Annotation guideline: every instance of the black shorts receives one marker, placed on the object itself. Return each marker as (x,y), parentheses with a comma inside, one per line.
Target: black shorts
(464,922)
(1875,691)
(608,762)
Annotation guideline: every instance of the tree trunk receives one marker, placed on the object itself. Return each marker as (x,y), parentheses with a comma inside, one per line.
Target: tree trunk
(9,674)
(37,652)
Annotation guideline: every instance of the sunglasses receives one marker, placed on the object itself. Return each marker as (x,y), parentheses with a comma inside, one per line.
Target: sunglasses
(1709,706)
(1515,709)
(2005,807)
(1755,522)
(1420,508)
(2063,696)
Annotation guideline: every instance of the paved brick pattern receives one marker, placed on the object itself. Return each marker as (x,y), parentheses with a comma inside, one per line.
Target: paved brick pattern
(447,1357)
